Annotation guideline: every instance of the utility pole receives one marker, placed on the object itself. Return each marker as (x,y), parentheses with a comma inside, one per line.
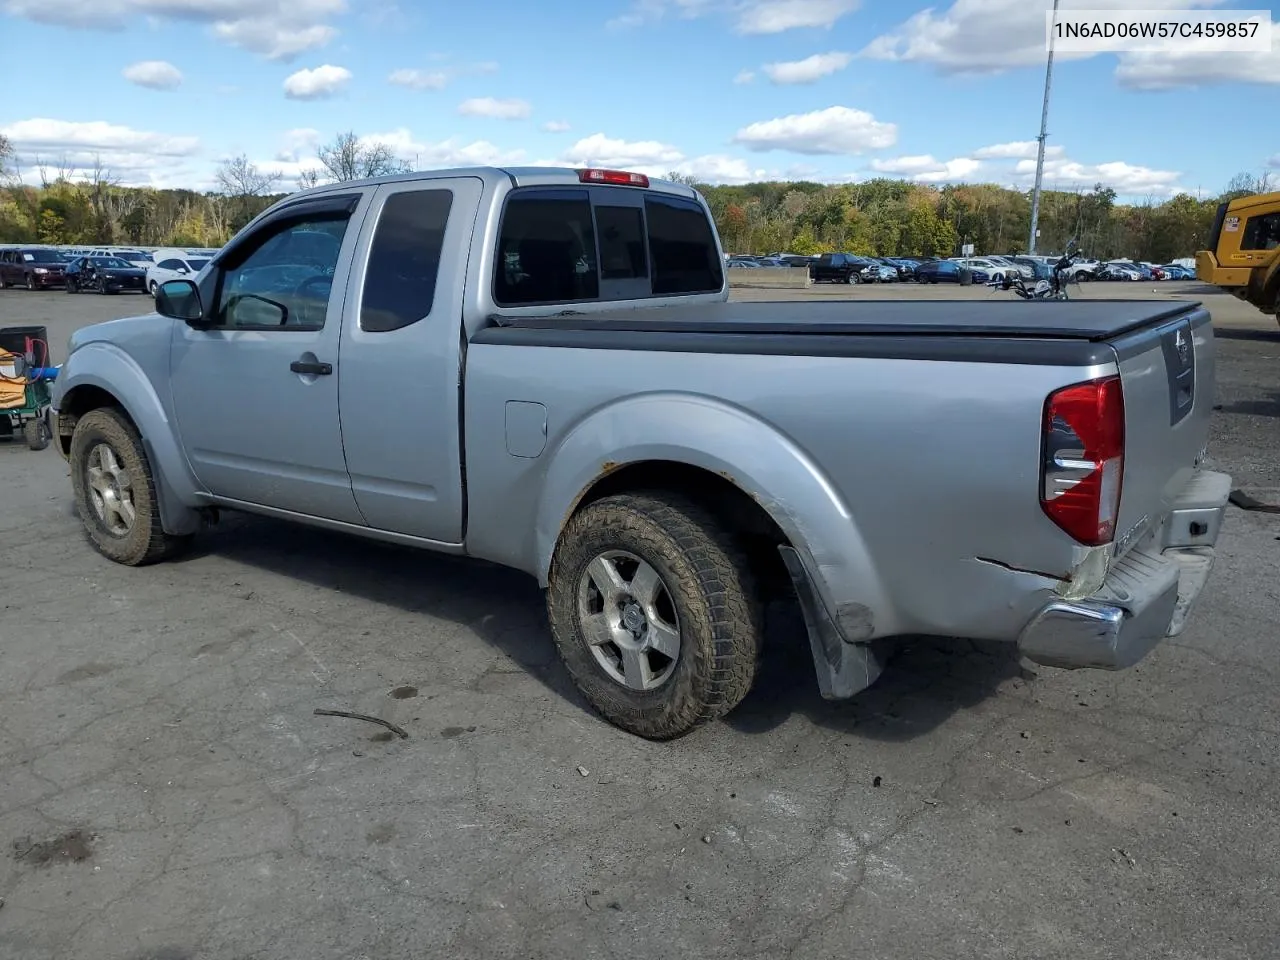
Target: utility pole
(1044,123)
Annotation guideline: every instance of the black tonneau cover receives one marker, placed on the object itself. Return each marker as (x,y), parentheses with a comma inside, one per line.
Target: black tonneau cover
(1087,320)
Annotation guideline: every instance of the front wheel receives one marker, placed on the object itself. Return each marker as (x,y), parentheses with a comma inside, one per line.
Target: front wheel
(115,490)
(654,613)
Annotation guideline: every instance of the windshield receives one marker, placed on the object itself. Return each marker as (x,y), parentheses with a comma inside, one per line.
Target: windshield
(37,255)
(112,262)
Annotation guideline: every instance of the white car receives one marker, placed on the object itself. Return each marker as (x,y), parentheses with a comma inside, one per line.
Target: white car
(173,266)
(994,269)
(134,257)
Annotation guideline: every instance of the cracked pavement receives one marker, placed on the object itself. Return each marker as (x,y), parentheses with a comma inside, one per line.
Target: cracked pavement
(968,805)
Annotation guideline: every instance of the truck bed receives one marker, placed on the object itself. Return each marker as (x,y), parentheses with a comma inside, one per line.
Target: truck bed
(1074,332)
(1092,320)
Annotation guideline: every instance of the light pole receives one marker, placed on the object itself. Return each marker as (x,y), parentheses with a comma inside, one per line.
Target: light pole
(1044,122)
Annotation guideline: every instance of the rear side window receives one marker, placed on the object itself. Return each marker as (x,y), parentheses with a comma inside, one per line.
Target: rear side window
(404,260)
(557,246)
(547,249)
(681,247)
(170,264)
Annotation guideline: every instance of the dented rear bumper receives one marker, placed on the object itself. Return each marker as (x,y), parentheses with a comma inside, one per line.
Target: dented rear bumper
(1148,593)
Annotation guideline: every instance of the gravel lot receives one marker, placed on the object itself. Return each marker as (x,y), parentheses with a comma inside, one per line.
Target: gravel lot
(166,792)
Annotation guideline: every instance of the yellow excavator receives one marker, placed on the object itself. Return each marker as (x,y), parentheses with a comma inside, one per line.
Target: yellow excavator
(1244,251)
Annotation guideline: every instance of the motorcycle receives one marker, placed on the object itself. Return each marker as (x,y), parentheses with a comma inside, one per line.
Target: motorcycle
(1053,287)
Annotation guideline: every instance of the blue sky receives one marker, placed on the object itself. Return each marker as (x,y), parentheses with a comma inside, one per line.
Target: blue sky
(727,90)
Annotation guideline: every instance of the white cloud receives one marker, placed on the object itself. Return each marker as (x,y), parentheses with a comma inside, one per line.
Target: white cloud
(1126,179)
(750,16)
(296,143)
(154,74)
(438,79)
(423,155)
(419,79)
(744,76)
(835,130)
(990,36)
(317,84)
(599,150)
(1274,162)
(925,169)
(134,157)
(777,16)
(808,70)
(1017,150)
(657,159)
(1189,67)
(276,29)
(494,109)
(555,126)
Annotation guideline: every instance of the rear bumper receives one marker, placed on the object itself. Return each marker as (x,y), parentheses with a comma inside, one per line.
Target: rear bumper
(1147,596)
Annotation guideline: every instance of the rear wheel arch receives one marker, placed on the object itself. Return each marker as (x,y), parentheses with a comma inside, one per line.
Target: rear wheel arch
(756,531)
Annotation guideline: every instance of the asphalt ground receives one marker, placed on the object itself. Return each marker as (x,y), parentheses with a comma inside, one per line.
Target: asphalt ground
(166,792)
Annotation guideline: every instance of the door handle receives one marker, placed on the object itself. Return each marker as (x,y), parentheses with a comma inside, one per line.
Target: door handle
(312,367)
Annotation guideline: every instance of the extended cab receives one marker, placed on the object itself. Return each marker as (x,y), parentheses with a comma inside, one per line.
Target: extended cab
(539,367)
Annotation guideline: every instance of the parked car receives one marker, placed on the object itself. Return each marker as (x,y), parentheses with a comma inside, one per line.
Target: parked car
(36,268)
(944,271)
(172,268)
(136,258)
(877,272)
(662,461)
(992,269)
(1118,271)
(105,275)
(838,268)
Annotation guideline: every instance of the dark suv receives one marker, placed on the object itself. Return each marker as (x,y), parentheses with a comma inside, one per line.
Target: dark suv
(36,268)
(838,268)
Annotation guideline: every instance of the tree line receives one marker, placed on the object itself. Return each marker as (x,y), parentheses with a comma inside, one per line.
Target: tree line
(881,217)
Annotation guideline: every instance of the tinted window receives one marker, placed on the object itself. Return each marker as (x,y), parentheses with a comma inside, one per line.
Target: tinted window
(169,264)
(400,282)
(1261,233)
(682,247)
(197,265)
(621,232)
(284,281)
(946,266)
(546,249)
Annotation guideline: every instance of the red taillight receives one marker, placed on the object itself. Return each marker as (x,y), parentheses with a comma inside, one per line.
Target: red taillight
(617,177)
(1083,463)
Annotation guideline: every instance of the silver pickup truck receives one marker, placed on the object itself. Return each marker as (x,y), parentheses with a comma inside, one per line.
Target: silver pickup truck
(540,367)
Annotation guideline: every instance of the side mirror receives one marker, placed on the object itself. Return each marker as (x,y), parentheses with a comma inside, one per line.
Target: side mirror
(180,299)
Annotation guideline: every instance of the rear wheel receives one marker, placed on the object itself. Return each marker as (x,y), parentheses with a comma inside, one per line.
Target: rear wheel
(654,613)
(115,490)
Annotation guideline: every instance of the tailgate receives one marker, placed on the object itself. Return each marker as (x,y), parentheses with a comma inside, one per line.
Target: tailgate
(1167,372)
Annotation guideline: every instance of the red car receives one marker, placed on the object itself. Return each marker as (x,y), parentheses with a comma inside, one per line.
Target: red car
(36,268)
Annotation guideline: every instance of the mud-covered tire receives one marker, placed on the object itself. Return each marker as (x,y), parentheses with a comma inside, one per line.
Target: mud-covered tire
(145,540)
(710,587)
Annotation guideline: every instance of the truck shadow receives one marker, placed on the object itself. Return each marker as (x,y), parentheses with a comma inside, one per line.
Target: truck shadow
(1256,408)
(1255,334)
(924,683)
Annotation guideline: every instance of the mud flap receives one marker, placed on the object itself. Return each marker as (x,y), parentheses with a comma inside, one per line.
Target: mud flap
(844,669)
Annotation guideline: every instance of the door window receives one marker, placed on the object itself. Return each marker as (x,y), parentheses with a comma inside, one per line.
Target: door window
(284,281)
(404,261)
(1261,233)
